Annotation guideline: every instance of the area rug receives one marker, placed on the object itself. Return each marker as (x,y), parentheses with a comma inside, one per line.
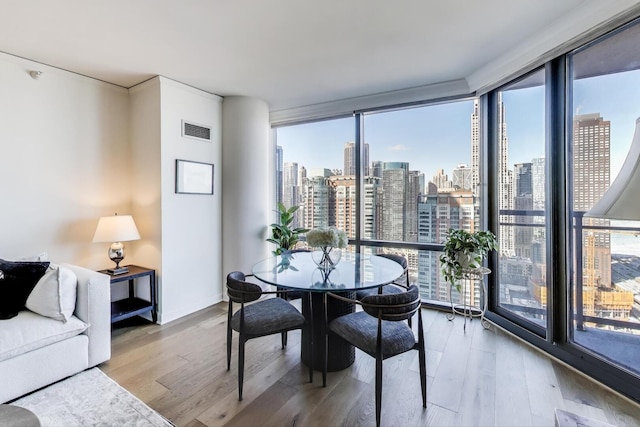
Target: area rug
(90,398)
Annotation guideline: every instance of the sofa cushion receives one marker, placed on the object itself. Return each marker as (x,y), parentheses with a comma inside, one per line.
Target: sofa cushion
(55,294)
(29,331)
(17,279)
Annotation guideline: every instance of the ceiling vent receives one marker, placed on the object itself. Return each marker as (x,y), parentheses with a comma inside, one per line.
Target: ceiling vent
(195,131)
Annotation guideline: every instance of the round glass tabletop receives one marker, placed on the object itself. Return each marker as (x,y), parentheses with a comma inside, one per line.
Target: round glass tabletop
(354,271)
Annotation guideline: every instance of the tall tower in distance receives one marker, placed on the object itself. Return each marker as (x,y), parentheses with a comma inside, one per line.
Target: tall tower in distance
(350,159)
(591,179)
(505,174)
(475,148)
(279,166)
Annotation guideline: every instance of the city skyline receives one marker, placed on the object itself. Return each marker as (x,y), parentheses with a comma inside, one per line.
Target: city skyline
(444,129)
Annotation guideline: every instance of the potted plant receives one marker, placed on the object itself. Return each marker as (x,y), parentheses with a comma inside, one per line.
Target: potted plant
(282,234)
(464,251)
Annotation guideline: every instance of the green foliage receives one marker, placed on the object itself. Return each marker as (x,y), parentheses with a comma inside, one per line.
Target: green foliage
(462,246)
(284,237)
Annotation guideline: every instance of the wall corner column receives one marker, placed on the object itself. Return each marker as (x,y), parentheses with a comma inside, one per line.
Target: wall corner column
(246,203)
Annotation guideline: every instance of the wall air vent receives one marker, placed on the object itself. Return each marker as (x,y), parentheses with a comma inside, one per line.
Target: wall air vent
(195,131)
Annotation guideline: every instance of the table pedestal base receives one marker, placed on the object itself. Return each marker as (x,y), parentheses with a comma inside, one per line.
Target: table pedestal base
(341,354)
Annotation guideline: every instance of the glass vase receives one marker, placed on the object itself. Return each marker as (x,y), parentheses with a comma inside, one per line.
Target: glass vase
(326,257)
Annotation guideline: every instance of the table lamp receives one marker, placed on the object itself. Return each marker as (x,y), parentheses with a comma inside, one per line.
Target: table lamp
(116,229)
(622,198)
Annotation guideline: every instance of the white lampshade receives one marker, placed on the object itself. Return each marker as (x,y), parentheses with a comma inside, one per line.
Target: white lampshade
(117,228)
(622,199)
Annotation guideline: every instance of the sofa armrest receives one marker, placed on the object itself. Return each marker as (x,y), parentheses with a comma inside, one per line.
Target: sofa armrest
(93,306)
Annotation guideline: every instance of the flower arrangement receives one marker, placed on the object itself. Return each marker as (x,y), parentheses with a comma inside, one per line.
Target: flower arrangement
(327,237)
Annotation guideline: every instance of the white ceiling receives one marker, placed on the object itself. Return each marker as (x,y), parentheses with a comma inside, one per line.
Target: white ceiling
(289,53)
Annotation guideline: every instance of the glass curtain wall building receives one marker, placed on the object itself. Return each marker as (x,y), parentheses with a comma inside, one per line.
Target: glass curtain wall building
(527,160)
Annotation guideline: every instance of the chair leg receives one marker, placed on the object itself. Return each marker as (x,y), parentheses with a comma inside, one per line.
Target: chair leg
(283,338)
(423,376)
(325,343)
(378,389)
(229,337)
(310,333)
(422,359)
(240,367)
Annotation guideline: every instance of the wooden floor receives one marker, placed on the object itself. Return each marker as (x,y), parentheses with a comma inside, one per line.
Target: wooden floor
(481,378)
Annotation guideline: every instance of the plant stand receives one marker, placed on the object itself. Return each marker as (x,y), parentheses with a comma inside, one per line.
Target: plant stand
(467,309)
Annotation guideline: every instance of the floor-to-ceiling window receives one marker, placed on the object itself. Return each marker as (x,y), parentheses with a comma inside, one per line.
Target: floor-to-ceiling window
(422,180)
(569,269)
(521,182)
(604,114)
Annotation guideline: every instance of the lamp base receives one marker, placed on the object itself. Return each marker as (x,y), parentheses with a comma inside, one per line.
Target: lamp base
(118,270)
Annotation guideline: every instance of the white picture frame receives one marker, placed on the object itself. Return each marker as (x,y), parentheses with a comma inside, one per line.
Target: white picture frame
(194,177)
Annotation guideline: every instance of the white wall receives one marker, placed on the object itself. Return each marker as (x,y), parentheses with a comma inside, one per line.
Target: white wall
(246,177)
(182,231)
(64,162)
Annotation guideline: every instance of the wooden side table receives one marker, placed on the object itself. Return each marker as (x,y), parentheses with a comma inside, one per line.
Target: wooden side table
(133,306)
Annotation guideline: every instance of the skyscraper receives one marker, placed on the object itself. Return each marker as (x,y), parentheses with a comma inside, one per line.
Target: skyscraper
(441,180)
(350,159)
(279,182)
(505,175)
(394,185)
(436,214)
(462,177)
(523,200)
(591,179)
(290,188)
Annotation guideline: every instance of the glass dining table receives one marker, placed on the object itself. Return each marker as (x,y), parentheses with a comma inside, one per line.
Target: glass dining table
(355,271)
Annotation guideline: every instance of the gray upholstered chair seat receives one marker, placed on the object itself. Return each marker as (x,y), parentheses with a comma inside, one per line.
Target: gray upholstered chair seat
(361,329)
(386,290)
(269,316)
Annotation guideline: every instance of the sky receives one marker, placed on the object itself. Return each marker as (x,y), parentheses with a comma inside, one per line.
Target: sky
(439,136)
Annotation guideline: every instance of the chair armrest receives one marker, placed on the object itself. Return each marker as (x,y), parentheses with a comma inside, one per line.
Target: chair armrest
(93,306)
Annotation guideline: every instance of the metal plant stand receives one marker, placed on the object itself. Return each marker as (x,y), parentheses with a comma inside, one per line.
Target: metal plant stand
(467,309)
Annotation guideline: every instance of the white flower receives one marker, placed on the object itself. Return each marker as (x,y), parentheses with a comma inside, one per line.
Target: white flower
(322,237)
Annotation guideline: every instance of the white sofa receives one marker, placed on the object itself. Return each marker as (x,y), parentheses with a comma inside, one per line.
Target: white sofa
(49,350)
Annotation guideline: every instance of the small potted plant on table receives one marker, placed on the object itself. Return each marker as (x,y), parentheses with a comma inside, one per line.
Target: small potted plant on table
(282,235)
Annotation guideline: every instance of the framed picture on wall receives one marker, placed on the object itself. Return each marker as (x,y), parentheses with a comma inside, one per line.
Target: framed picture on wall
(194,177)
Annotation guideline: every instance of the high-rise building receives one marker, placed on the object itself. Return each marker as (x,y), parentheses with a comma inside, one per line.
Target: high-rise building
(317,199)
(475,148)
(350,159)
(376,168)
(505,183)
(394,194)
(505,175)
(290,189)
(462,177)
(415,188)
(591,179)
(441,180)
(523,200)
(279,165)
(436,214)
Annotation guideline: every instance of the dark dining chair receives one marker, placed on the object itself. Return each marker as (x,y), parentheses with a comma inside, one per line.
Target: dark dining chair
(379,331)
(391,288)
(259,318)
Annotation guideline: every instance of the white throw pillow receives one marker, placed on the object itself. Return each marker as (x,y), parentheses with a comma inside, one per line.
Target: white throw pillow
(54,295)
